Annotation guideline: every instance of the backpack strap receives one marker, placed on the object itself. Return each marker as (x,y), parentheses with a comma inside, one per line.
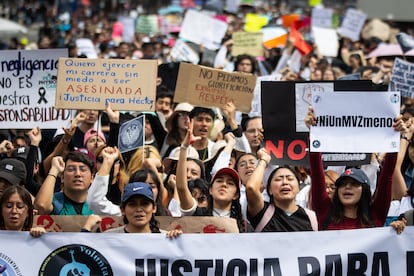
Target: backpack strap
(312,217)
(266,218)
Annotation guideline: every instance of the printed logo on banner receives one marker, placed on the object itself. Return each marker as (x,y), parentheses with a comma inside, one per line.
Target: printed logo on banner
(8,266)
(75,259)
(395,98)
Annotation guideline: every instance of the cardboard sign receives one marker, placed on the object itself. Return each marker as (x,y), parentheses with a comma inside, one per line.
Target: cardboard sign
(147,24)
(203,29)
(186,224)
(208,87)
(131,134)
(247,43)
(402,78)
(90,83)
(28,89)
(282,140)
(352,24)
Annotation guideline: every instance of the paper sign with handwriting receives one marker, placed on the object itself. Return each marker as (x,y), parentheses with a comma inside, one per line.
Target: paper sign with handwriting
(90,83)
(208,87)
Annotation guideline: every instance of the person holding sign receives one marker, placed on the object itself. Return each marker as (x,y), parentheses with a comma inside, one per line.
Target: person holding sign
(224,190)
(352,206)
(281,214)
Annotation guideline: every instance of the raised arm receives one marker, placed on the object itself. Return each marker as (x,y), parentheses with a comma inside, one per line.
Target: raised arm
(254,185)
(186,199)
(399,188)
(97,200)
(44,199)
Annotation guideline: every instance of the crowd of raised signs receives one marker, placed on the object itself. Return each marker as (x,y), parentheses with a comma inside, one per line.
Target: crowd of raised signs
(201,161)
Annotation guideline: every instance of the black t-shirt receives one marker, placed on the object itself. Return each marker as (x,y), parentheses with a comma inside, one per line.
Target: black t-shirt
(281,222)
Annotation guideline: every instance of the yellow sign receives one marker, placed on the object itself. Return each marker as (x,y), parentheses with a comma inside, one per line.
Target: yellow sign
(208,87)
(90,83)
(247,43)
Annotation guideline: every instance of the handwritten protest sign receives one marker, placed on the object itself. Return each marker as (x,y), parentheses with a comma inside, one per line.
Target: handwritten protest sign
(402,78)
(28,89)
(203,29)
(322,17)
(352,24)
(366,127)
(247,43)
(204,86)
(147,24)
(89,84)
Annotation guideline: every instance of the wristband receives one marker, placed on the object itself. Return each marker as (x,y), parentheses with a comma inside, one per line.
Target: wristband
(184,147)
(52,175)
(65,141)
(266,164)
(406,138)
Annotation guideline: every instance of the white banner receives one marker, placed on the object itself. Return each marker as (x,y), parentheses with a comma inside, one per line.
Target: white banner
(183,52)
(355,122)
(378,251)
(327,41)
(28,89)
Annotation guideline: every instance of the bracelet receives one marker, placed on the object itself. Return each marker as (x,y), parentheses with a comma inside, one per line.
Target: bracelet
(183,146)
(267,164)
(52,175)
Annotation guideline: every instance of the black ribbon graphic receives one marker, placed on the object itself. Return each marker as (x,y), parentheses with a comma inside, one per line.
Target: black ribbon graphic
(42,93)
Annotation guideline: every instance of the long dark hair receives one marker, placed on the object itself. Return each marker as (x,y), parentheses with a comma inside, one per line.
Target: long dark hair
(26,198)
(235,210)
(364,214)
(154,224)
(269,180)
(141,176)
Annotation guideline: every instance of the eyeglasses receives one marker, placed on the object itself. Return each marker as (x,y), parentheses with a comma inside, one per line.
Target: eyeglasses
(19,206)
(72,169)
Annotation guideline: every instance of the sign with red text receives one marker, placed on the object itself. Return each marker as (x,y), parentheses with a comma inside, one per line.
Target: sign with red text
(372,251)
(208,87)
(28,89)
(90,83)
(190,224)
(285,140)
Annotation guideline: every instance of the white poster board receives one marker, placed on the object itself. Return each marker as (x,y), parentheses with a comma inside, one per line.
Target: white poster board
(203,29)
(28,89)
(355,122)
(352,24)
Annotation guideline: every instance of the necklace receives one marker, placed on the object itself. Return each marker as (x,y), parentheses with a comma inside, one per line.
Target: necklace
(220,213)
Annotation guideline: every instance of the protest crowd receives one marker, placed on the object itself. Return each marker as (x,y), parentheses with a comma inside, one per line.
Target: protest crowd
(211,158)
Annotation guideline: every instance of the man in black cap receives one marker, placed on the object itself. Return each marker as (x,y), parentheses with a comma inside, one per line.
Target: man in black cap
(12,172)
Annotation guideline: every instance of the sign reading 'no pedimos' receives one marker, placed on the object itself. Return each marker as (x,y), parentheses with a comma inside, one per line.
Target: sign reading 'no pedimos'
(90,83)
